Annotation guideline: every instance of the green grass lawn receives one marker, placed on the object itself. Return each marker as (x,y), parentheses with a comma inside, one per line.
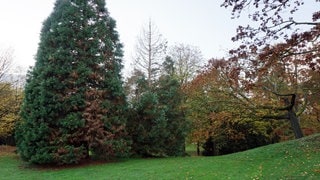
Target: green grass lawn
(297,159)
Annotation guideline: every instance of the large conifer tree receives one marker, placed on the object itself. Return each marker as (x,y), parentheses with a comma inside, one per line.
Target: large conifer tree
(74,101)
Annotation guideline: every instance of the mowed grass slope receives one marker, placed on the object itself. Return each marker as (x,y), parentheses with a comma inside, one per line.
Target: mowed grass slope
(297,159)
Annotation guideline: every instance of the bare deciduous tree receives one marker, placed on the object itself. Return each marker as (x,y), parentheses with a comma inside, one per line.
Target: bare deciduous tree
(6,59)
(150,51)
(187,61)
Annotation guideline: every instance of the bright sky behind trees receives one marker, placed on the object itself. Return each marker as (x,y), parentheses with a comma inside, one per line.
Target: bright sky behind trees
(201,23)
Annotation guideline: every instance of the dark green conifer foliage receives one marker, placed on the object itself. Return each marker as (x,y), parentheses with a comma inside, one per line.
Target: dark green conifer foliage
(170,99)
(147,126)
(157,123)
(74,101)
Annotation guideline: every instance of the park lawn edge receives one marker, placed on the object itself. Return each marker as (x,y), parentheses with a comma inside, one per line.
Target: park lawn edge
(295,159)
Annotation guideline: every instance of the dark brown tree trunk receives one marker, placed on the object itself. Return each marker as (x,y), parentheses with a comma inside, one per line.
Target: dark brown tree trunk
(198,148)
(295,124)
(294,121)
(291,115)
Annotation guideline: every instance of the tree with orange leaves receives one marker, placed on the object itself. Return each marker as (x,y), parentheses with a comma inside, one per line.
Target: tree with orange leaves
(222,120)
(277,48)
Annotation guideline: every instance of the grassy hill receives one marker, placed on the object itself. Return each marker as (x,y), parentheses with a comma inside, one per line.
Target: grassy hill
(297,159)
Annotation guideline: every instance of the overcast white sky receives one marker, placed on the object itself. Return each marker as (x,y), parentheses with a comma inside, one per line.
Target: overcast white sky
(202,23)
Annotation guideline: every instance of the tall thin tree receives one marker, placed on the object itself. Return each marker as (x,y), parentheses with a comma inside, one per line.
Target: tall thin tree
(150,51)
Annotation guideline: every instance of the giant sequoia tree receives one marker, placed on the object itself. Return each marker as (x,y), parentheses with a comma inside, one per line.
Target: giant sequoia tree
(74,101)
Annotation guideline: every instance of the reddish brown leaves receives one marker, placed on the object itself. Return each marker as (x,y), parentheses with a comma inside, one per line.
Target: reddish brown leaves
(316,16)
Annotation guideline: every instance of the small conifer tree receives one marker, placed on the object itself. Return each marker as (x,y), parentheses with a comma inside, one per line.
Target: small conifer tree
(74,101)
(147,126)
(158,125)
(171,100)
